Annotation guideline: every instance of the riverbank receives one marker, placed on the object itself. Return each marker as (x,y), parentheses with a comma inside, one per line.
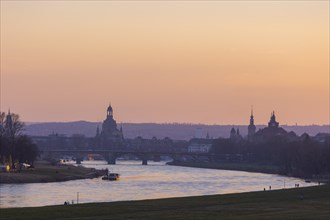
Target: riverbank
(248,167)
(45,172)
(297,203)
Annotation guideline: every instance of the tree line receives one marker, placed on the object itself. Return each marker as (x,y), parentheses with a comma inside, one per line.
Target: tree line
(14,146)
(301,157)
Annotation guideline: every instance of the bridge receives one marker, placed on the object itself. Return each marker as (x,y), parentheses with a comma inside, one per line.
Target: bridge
(110,155)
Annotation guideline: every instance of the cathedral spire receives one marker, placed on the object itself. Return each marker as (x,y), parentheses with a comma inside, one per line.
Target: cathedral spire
(251,127)
(251,117)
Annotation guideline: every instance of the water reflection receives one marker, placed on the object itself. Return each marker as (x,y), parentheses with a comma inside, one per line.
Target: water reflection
(156,180)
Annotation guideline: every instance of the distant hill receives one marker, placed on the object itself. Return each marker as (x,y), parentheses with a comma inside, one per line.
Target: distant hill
(148,130)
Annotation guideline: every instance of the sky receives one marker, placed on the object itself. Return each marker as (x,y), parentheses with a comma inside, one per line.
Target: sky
(166,61)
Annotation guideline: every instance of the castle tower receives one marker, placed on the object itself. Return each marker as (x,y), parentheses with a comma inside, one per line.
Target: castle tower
(273,123)
(251,127)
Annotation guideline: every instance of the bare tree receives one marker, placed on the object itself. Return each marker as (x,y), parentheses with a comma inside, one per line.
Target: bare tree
(10,125)
(13,145)
(2,123)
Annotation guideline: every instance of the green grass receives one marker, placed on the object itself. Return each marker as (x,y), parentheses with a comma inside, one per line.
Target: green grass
(277,204)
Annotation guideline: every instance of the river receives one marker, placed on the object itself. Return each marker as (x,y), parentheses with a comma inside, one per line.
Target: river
(156,180)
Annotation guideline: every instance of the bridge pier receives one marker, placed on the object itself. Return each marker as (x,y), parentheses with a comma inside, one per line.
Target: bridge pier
(79,160)
(144,157)
(144,161)
(111,159)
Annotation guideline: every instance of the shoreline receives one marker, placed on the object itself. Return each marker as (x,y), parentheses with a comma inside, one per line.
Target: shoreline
(44,172)
(246,167)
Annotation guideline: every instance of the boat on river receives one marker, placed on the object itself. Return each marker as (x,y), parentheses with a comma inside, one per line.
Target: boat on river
(111,176)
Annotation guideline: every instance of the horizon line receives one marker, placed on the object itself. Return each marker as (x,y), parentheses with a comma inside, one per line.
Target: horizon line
(180,123)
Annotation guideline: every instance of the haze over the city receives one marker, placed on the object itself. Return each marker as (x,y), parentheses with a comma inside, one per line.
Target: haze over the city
(177,61)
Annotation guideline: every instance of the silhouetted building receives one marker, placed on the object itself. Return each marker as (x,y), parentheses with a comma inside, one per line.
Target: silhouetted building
(251,127)
(235,135)
(200,145)
(273,123)
(232,133)
(272,130)
(322,137)
(110,135)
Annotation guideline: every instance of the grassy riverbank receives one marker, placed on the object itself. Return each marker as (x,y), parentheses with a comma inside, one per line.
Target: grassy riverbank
(297,203)
(45,172)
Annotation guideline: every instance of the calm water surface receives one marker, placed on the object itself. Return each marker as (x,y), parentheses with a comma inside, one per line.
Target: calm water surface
(156,180)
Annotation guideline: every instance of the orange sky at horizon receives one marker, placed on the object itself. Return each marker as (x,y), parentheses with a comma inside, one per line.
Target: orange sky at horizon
(177,61)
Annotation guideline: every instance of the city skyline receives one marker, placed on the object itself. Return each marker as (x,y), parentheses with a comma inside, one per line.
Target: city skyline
(164,62)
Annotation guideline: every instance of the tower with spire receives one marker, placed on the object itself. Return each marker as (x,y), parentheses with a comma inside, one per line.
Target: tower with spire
(251,127)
